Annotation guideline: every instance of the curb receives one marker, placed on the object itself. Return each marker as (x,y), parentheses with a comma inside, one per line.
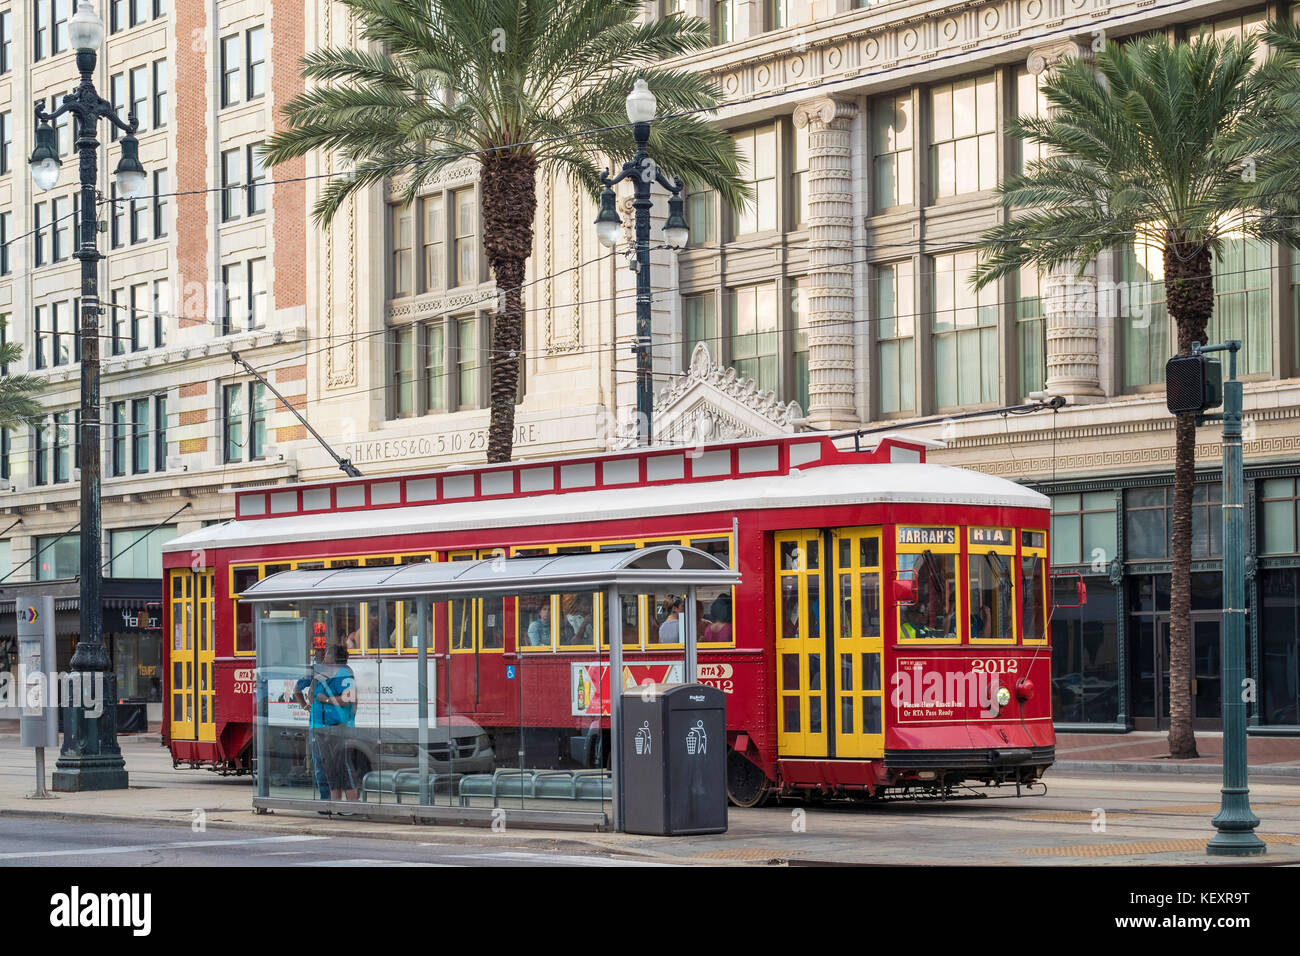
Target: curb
(1105,766)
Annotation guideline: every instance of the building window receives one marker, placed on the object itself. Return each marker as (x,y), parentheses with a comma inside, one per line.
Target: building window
(57,556)
(256,49)
(1278,531)
(403,364)
(139,87)
(467,361)
(6,232)
(1242,277)
(117,96)
(895,348)
(1279,638)
(752,332)
(799,175)
(230,70)
(61,220)
(62,132)
(892,140)
(801,312)
(256,179)
(256,293)
(162,303)
(40,29)
(119,439)
(41,331)
(232,313)
(139,221)
(160,433)
(1083,529)
(159,93)
(466,205)
(436,366)
(244,421)
(1142,315)
(965,334)
(38,233)
(159,8)
(1030,101)
(6,41)
(117,225)
(964,138)
(137,552)
(701,217)
(1031,331)
(725,13)
(1149,521)
(138,304)
(61,343)
(6,140)
(161,187)
(757,149)
(140,457)
(139,12)
(118,321)
(40,452)
(62,12)
(4,460)
(435,255)
(62,448)
(231,182)
(117,16)
(403,250)
(701,325)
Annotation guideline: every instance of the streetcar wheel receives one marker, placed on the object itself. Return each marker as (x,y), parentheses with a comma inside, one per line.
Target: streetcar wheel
(747,786)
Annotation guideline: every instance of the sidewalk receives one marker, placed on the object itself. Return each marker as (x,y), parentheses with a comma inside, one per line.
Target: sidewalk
(1151,818)
(1148,752)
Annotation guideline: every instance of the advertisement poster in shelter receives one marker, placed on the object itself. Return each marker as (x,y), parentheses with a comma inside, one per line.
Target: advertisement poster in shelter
(589,683)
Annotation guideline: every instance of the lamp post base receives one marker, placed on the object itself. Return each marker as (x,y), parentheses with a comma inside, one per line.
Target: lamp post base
(1236,825)
(91,758)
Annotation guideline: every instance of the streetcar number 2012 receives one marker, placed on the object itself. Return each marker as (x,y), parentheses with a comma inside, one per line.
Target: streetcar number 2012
(995,665)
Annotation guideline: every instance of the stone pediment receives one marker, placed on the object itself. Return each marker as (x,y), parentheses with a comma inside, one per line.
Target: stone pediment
(713,403)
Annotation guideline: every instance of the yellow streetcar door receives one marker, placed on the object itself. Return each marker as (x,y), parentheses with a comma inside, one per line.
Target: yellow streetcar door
(857,665)
(800,645)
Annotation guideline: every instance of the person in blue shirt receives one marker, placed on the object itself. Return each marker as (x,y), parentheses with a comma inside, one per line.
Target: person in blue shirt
(314,725)
(539,630)
(335,689)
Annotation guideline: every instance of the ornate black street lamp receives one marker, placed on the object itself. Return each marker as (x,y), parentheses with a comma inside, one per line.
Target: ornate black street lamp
(91,758)
(643,172)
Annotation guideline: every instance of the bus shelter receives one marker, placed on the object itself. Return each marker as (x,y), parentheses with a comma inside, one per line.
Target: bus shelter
(479,690)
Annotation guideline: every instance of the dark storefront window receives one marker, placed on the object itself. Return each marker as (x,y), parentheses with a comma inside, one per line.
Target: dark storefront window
(1149,521)
(1085,658)
(137,659)
(1149,650)
(1279,644)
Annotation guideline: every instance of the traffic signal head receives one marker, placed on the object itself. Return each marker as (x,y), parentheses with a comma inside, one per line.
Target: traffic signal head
(1193,383)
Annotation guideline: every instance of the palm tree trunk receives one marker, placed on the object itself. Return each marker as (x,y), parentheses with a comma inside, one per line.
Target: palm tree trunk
(508,187)
(1189,292)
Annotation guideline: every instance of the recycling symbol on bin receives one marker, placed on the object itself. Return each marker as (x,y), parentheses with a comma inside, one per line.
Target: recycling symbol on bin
(643,739)
(697,741)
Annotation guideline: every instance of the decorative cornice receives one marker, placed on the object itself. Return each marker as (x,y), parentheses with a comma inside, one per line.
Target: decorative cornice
(701,371)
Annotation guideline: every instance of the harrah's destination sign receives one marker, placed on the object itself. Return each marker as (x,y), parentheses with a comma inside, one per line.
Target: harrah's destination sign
(428,446)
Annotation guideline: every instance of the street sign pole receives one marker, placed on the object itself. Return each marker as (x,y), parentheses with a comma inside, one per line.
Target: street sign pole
(1235,821)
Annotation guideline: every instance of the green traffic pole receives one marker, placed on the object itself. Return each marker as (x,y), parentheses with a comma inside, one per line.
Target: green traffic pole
(1234,821)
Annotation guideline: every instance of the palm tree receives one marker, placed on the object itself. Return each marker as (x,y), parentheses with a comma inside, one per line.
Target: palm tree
(18,405)
(526,86)
(1150,143)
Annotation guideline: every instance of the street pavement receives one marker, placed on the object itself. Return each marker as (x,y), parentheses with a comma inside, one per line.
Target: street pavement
(194,817)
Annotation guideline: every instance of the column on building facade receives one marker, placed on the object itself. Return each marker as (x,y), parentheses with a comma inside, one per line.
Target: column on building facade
(829,302)
(1069,295)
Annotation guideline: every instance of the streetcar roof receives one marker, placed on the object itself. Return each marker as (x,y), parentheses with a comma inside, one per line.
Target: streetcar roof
(830,485)
(645,570)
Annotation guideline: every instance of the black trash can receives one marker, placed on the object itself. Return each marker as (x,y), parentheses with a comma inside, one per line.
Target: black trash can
(674,766)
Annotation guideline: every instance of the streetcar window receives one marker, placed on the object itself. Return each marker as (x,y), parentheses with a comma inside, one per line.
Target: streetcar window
(990,596)
(713,616)
(242,580)
(1032,610)
(665,628)
(934,615)
(534,621)
(720,548)
(380,562)
(577,626)
(462,625)
(494,623)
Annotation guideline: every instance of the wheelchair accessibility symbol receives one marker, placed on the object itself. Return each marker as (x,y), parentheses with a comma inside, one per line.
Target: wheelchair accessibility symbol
(697,741)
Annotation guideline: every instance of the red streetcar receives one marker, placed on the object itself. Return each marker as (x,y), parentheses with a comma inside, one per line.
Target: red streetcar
(889,632)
